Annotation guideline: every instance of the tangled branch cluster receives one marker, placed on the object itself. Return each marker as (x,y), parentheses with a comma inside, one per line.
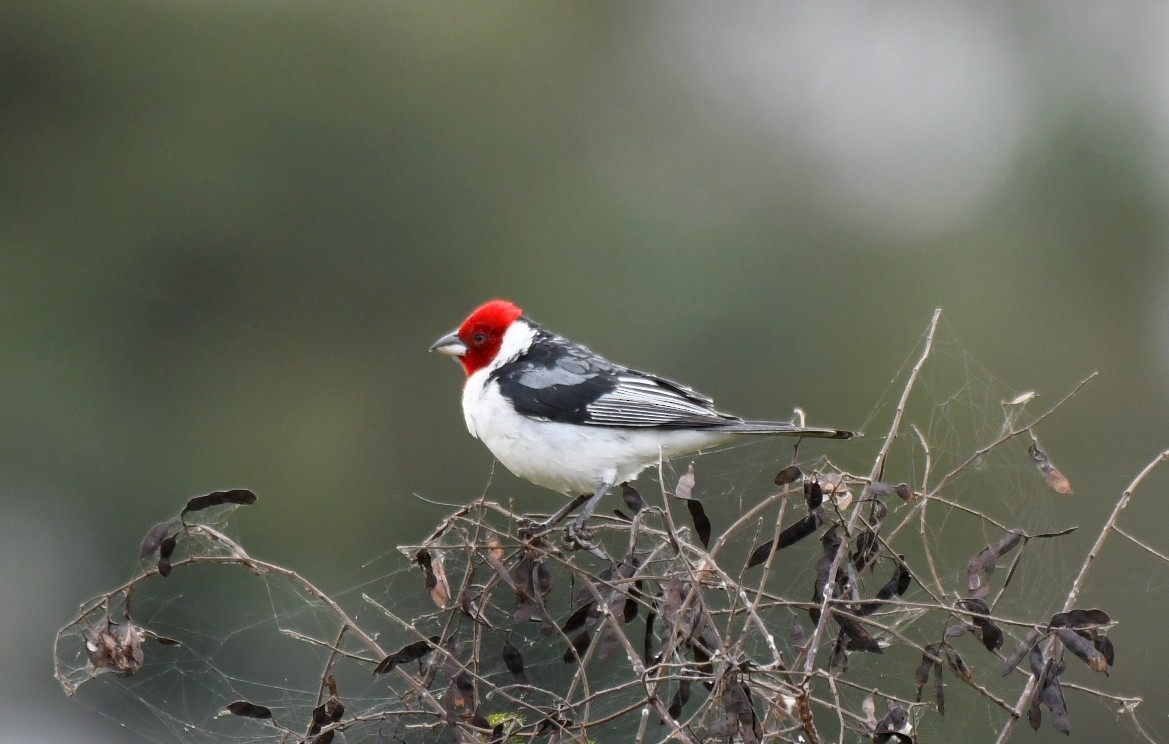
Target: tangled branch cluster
(681,638)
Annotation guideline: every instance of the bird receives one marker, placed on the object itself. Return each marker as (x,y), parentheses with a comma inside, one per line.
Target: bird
(565,418)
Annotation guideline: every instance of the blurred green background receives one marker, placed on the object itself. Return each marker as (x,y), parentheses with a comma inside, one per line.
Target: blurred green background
(230,230)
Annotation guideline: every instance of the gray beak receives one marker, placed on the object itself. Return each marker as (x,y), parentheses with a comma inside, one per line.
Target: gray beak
(449,345)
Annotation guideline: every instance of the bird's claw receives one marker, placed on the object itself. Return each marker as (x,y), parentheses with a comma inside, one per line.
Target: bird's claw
(531,528)
(577,540)
(575,534)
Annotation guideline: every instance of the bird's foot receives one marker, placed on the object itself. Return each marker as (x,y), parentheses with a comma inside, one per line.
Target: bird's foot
(531,528)
(575,537)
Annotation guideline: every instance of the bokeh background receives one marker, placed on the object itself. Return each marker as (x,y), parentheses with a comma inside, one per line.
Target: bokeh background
(230,230)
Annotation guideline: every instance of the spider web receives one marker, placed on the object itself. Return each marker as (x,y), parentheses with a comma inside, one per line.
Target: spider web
(248,631)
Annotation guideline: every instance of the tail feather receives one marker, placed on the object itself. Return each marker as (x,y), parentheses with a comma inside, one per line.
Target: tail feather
(781,428)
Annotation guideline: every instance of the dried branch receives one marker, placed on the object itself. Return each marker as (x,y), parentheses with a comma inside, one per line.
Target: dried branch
(670,630)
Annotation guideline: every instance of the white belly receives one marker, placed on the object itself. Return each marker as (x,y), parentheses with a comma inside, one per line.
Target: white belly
(569,458)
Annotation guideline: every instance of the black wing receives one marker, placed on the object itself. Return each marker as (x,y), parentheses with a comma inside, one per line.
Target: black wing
(557,380)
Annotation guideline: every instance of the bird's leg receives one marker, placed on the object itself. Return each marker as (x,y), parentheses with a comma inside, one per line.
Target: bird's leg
(539,528)
(577,525)
(590,500)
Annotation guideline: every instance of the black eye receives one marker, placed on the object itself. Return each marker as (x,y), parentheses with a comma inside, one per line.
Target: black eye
(479,338)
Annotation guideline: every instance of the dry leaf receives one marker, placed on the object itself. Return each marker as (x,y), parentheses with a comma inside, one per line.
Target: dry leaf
(869,706)
(409,652)
(1055,480)
(704,570)
(494,546)
(836,488)
(1022,398)
(685,484)
(440,591)
(245,709)
(790,474)
(120,653)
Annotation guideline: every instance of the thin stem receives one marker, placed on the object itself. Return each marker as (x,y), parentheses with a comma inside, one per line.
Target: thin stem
(1078,583)
(874,475)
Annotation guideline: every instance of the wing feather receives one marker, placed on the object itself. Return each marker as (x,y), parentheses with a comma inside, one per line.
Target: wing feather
(556,380)
(642,400)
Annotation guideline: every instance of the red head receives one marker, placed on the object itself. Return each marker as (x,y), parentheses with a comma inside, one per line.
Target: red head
(478,339)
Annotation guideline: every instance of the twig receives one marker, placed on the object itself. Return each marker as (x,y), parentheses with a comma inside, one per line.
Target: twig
(929,554)
(1140,543)
(982,451)
(874,475)
(736,613)
(1077,585)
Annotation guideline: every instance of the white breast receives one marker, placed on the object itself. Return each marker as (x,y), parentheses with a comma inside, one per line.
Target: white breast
(568,458)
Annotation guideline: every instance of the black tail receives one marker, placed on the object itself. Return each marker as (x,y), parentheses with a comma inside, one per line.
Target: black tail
(783,429)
